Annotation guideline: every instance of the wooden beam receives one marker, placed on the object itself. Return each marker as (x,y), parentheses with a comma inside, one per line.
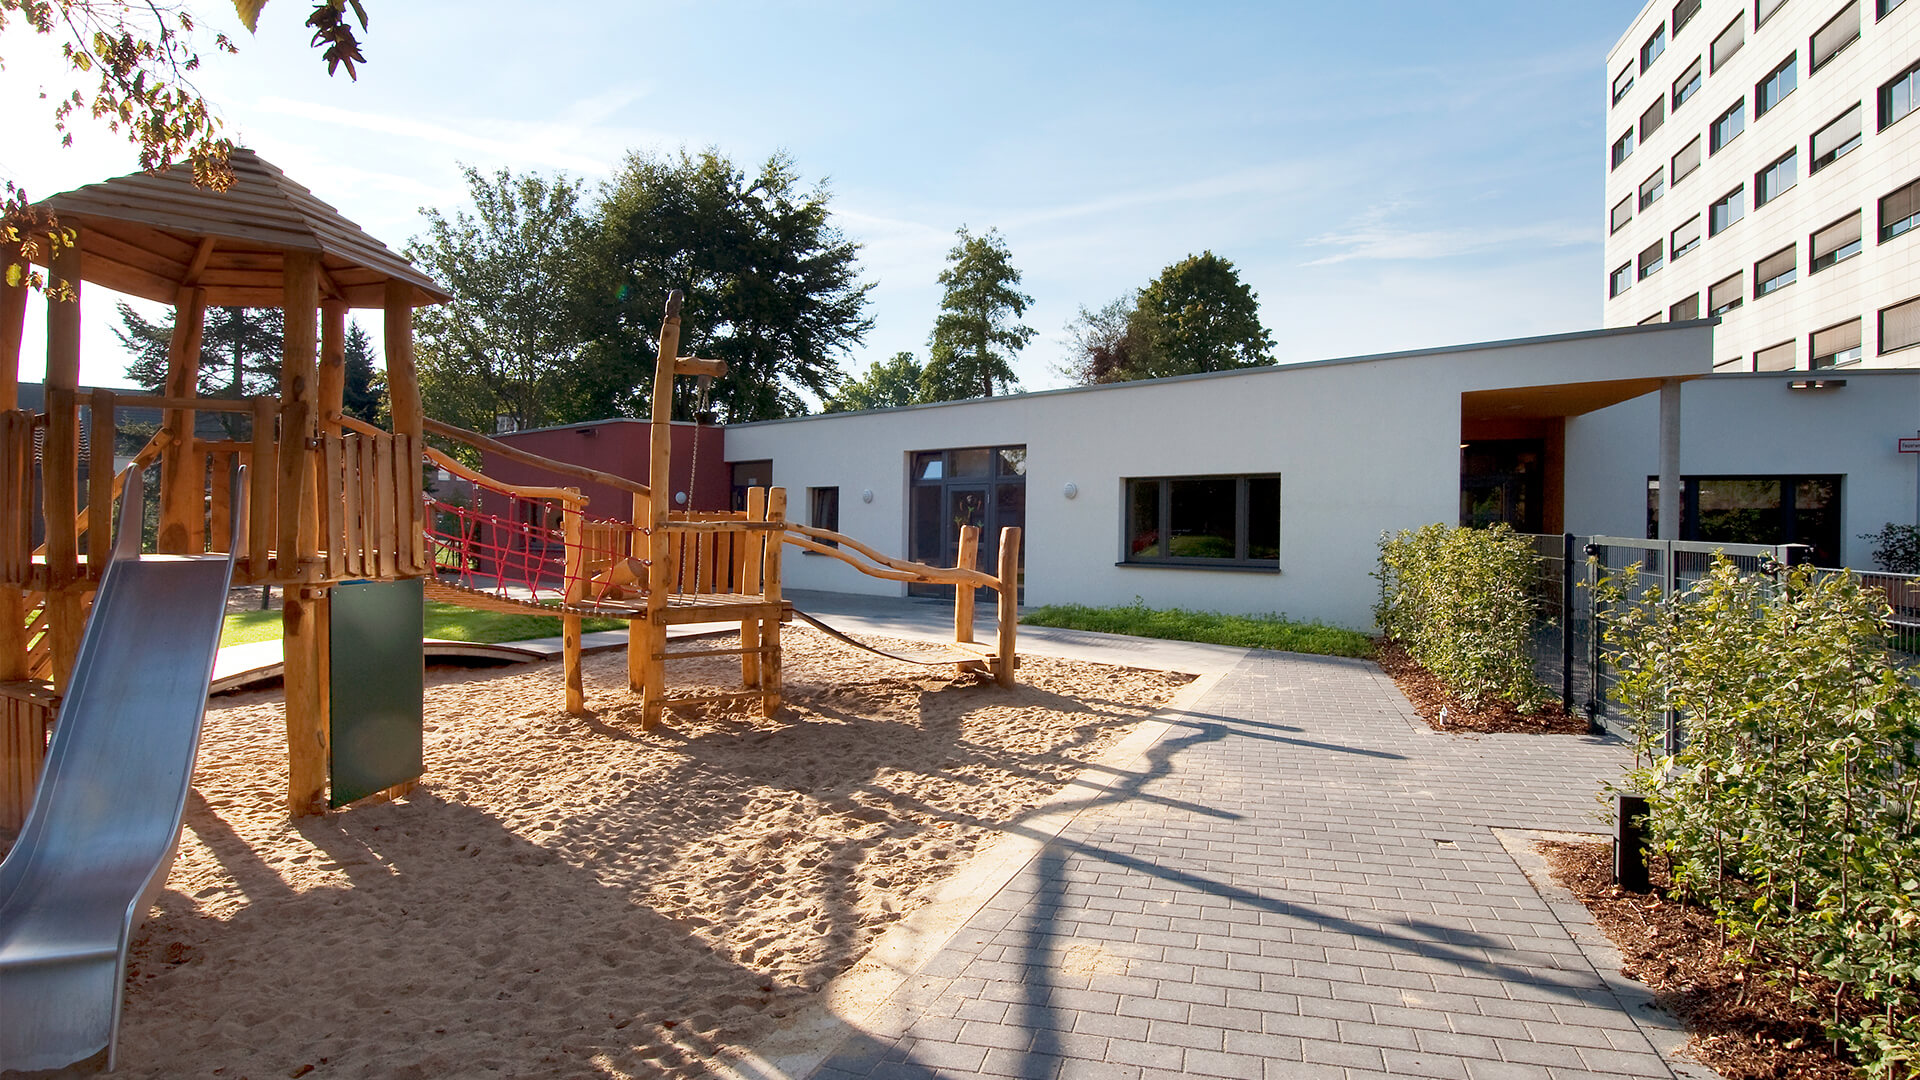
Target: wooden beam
(333,364)
(687,365)
(13,324)
(60,463)
(304,620)
(297,534)
(182,486)
(576,591)
(963,594)
(1009,604)
(100,483)
(403,384)
(198,266)
(770,591)
(660,569)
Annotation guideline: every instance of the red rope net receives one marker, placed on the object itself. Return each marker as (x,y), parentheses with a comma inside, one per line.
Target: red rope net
(522,553)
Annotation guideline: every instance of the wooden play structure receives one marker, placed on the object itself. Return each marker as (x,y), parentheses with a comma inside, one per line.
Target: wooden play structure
(331,500)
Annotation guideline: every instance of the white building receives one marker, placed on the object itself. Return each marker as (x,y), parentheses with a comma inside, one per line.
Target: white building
(1763,165)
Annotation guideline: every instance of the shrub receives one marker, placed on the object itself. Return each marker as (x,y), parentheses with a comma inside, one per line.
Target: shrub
(1458,600)
(1896,548)
(1789,807)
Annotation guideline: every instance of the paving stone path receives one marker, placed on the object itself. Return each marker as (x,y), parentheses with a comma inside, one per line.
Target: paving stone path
(1299,881)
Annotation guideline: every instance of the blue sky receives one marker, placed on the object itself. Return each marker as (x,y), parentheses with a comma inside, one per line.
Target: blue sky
(1385,176)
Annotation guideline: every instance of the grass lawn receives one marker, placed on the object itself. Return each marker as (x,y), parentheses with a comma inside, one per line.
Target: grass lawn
(443,621)
(1258,632)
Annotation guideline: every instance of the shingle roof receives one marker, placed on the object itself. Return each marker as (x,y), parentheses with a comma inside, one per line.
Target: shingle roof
(144,234)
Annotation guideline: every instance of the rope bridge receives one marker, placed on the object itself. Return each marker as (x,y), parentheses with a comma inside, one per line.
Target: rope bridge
(541,554)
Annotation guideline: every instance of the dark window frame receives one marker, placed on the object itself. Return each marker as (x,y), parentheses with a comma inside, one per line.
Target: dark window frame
(1620,280)
(1623,148)
(1673,309)
(1645,199)
(1884,8)
(1164,527)
(1656,46)
(824,503)
(1816,160)
(1620,92)
(1789,482)
(1858,350)
(1818,261)
(1788,68)
(1699,158)
(1685,89)
(1889,231)
(1739,278)
(1676,253)
(1774,284)
(1715,143)
(1815,61)
(1884,98)
(1739,193)
(1880,329)
(1714,60)
(1762,194)
(1683,13)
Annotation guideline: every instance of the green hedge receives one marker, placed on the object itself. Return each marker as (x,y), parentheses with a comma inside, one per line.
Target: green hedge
(1458,600)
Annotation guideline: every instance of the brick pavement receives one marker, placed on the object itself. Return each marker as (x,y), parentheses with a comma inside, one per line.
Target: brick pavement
(1299,880)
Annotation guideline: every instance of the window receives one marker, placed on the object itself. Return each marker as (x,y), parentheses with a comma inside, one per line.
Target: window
(1836,242)
(1623,148)
(1620,280)
(1763,10)
(1651,260)
(1775,272)
(1728,210)
(1769,182)
(1685,309)
(1684,239)
(1687,160)
(1841,31)
(1738,363)
(1683,13)
(1725,129)
(1727,293)
(1774,358)
(1622,83)
(1687,85)
(1204,520)
(1900,212)
(1759,510)
(748,474)
(1649,320)
(1900,326)
(1728,43)
(1652,188)
(823,511)
(1897,97)
(1779,82)
(1837,139)
(1835,345)
(1651,120)
(1887,6)
(1622,213)
(1651,51)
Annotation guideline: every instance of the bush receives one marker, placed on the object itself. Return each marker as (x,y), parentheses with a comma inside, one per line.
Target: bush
(1459,601)
(1789,808)
(1896,548)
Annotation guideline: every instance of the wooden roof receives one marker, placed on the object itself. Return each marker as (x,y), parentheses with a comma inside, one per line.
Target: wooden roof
(150,233)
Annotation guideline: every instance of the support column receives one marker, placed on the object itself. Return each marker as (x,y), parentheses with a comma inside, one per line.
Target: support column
(13,324)
(304,611)
(182,485)
(651,636)
(333,363)
(403,398)
(1669,460)
(60,462)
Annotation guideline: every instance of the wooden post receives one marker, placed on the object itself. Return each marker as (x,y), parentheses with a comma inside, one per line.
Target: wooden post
(13,325)
(576,591)
(660,479)
(99,482)
(403,385)
(1009,605)
(963,594)
(259,536)
(182,470)
(304,616)
(60,463)
(333,363)
(297,534)
(770,591)
(751,565)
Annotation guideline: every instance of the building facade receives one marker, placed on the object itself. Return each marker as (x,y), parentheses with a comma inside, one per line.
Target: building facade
(1763,165)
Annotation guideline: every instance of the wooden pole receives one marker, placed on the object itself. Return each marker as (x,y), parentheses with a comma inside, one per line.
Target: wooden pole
(333,364)
(403,384)
(304,617)
(968,559)
(60,463)
(576,591)
(182,486)
(13,325)
(1009,605)
(770,591)
(660,481)
(303,610)
(751,566)
(100,482)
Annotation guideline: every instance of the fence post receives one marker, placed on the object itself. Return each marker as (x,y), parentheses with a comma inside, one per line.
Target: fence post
(1669,581)
(1597,692)
(1566,622)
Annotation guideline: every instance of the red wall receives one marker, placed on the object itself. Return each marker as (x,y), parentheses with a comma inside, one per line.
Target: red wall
(618,447)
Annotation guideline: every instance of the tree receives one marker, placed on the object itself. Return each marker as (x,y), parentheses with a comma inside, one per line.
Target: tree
(887,385)
(239,353)
(508,346)
(1203,318)
(977,333)
(1112,344)
(772,288)
(365,394)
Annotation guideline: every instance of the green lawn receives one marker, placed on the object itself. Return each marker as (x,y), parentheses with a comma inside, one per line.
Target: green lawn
(1259,632)
(443,621)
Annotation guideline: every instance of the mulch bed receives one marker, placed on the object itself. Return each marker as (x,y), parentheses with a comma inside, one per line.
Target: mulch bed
(1429,697)
(1745,1026)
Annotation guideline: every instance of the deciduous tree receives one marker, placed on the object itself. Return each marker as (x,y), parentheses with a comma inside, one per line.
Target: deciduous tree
(978,331)
(1203,318)
(1113,344)
(884,385)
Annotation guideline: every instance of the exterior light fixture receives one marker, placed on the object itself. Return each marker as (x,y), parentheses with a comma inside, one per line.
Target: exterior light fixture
(1072,489)
(680,498)
(1816,384)
(866,496)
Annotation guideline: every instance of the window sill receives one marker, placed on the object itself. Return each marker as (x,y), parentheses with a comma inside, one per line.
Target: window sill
(1232,568)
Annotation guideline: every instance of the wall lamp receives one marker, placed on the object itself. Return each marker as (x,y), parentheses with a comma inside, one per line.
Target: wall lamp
(1816,384)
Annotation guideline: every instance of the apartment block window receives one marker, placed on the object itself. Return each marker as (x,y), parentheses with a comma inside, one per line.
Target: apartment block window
(1620,280)
(1623,148)
(1685,309)
(1837,139)
(1779,82)
(1683,13)
(1900,212)
(1622,213)
(1726,128)
(1649,320)
(1684,239)
(1900,326)
(1687,160)
(1775,272)
(1622,83)
(1727,293)
(1687,85)
(1774,358)
(1651,51)
(1651,260)
(1887,6)
(1204,521)
(1769,182)
(1841,31)
(1738,363)
(1651,120)
(1897,98)
(823,511)
(1652,188)
(1728,43)
(1835,243)
(1834,346)
(1731,208)
(1763,10)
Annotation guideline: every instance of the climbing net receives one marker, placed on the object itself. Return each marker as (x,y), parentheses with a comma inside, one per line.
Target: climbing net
(521,554)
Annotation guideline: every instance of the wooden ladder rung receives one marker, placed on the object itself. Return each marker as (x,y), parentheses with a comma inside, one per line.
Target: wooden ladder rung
(691,653)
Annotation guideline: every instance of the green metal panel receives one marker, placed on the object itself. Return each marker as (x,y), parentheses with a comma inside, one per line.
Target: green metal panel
(377,680)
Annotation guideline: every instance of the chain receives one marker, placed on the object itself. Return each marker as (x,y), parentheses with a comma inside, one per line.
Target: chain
(693,468)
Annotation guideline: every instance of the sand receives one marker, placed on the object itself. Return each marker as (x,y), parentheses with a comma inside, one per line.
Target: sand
(572,897)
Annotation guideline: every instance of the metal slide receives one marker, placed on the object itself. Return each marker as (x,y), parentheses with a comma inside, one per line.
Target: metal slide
(97,844)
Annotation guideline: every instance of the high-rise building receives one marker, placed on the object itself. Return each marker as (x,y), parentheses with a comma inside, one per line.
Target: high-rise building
(1763,165)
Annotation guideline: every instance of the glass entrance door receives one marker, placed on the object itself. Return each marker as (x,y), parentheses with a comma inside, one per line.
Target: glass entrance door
(981,486)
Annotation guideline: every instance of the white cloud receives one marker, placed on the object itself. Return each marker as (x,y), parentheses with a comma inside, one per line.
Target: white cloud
(1374,235)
